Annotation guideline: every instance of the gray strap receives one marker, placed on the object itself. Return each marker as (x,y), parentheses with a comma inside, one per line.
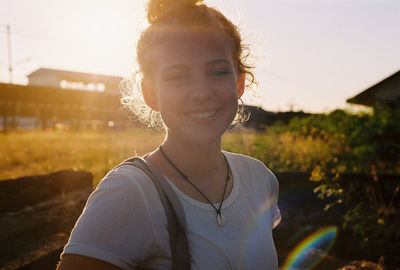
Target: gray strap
(174,212)
(176,203)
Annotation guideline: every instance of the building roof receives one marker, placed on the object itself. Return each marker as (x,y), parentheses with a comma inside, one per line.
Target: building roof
(385,92)
(72,74)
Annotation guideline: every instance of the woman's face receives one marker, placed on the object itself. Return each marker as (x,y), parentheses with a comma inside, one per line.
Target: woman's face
(194,84)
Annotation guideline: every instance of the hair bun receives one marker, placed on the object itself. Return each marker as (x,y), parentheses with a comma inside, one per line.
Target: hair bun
(157,8)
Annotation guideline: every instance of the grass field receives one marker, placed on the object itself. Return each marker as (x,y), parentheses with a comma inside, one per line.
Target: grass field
(38,152)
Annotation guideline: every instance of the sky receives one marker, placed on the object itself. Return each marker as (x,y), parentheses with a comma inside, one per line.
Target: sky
(309,55)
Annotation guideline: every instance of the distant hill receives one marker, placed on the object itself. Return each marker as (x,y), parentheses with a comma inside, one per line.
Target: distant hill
(259,118)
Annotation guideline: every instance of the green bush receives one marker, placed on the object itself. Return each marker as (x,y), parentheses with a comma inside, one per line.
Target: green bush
(370,145)
(338,143)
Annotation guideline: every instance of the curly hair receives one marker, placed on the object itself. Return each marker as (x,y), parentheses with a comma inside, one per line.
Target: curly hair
(185,13)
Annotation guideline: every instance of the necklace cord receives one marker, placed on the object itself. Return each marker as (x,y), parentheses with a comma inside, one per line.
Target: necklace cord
(190,182)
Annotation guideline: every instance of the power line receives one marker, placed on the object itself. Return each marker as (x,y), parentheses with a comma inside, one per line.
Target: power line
(9,52)
(26,36)
(22,35)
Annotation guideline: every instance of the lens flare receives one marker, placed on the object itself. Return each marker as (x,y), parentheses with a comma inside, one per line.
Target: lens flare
(256,230)
(311,250)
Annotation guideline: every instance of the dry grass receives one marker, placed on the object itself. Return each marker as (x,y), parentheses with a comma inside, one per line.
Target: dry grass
(283,151)
(40,152)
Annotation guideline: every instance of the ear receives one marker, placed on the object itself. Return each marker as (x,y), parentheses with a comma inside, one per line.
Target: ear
(149,95)
(241,84)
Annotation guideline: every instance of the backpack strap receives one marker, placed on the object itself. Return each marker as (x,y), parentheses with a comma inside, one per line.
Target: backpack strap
(173,210)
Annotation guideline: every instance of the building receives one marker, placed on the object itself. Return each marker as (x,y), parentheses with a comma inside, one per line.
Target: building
(74,80)
(383,93)
(57,97)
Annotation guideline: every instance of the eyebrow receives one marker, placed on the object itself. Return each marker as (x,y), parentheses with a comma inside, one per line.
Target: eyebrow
(174,67)
(219,61)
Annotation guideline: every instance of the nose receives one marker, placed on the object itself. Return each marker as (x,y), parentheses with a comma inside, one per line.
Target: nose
(201,89)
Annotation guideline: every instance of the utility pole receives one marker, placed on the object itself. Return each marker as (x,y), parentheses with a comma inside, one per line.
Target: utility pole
(10,69)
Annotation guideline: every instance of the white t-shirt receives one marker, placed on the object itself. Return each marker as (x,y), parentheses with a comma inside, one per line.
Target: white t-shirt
(124,222)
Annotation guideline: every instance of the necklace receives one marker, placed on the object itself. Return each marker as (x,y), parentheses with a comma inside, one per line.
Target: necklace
(220,216)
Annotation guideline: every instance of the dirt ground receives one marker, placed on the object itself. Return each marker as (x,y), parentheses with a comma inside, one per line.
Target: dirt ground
(38,230)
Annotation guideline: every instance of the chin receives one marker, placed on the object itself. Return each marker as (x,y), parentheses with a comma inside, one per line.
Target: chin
(197,137)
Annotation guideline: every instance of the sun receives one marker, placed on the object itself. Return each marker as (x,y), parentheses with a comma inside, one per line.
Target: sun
(105,26)
(104,36)
(102,31)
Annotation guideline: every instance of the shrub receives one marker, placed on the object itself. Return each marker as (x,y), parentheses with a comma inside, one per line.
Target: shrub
(370,146)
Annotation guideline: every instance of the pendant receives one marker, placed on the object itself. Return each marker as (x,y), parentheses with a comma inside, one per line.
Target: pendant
(221,220)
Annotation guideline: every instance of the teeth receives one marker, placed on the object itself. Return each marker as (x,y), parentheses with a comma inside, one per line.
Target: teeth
(202,115)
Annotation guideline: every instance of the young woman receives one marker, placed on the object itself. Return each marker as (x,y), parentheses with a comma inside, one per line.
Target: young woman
(191,62)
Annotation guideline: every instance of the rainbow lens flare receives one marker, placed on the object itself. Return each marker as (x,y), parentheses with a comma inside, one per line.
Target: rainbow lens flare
(311,250)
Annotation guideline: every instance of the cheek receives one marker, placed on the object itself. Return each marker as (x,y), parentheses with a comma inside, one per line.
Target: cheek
(169,99)
(228,92)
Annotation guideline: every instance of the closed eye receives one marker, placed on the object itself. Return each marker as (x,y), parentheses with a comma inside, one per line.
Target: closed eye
(221,72)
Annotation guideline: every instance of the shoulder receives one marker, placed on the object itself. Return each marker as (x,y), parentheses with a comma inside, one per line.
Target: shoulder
(126,208)
(253,170)
(240,158)
(123,186)
(247,163)
(125,175)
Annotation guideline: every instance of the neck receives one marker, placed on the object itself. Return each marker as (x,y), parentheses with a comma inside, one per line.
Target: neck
(194,159)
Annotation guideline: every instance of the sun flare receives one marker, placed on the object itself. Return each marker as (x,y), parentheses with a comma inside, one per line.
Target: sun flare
(102,31)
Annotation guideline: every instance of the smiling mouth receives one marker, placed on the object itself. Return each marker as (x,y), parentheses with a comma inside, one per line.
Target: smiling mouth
(203,115)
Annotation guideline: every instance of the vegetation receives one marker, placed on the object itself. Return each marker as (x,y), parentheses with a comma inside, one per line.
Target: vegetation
(39,152)
(364,144)
(327,146)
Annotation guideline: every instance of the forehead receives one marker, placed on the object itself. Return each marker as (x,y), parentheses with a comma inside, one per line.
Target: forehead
(190,46)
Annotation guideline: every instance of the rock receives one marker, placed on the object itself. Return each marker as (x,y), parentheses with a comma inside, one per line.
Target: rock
(27,236)
(16,194)
(364,265)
